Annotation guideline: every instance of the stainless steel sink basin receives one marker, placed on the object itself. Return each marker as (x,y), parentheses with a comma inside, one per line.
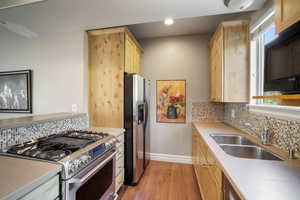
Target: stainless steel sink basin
(251,152)
(231,139)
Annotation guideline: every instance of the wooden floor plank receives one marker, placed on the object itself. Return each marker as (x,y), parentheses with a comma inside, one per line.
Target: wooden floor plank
(165,181)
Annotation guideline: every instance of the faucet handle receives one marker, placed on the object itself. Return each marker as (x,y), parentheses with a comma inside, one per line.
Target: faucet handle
(247,125)
(292,153)
(265,124)
(292,150)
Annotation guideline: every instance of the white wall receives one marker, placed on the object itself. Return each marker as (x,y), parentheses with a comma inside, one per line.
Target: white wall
(179,57)
(59,69)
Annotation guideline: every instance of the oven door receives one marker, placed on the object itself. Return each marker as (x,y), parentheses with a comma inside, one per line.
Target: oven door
(96,182)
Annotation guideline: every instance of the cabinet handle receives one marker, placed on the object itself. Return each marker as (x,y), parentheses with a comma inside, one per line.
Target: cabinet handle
(206,165)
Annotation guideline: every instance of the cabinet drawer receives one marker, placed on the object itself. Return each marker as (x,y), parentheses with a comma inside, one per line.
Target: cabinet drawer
(47,191)
(121,140)
(119,181)
(119,155)
(120,165)
(120,148)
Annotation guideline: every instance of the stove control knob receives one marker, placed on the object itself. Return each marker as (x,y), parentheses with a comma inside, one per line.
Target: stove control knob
(85,159)
(72,168)
(76,164)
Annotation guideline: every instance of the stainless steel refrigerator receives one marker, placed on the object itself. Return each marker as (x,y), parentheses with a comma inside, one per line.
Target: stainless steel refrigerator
(136,122)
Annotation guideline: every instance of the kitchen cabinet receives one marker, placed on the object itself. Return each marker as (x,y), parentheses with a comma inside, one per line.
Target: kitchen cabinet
(208,174)
(229,62)
(47,191)
(120,162)
(112,52)
(287,13)
(132,56)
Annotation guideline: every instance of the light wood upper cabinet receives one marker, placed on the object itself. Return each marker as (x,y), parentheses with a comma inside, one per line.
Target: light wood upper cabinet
(287,13)
(111,53)
(132,55)
(216,60)
(229,62)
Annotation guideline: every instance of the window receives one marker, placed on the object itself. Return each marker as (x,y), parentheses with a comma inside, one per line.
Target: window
(264,34)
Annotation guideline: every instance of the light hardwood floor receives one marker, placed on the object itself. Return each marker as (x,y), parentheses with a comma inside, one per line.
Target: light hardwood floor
(165,181)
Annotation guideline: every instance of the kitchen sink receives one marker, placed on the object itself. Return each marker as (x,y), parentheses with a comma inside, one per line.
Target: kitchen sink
(232,139)
(251,152)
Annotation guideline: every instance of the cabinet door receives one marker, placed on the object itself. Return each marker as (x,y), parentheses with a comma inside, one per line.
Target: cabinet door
(211,181)
(212,59)
(236,62)
(216,67)
(207,172)
(194,149)
(137,61)
(134,59)
(208,187)
(287,13)
(132,56)
(215,172)
(129,54)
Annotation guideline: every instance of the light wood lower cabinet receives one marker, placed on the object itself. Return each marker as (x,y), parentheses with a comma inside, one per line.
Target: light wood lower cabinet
(209,175)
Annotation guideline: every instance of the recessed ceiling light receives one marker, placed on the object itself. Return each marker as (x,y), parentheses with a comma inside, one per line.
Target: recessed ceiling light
(169,21)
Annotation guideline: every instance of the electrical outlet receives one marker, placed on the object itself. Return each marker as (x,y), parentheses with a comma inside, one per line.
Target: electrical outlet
(232,114)
(74,108)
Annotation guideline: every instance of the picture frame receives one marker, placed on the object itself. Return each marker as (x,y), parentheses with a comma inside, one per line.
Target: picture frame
(16,91)
(171,101)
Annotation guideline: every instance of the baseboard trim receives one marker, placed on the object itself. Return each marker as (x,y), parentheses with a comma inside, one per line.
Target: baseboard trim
(171,158)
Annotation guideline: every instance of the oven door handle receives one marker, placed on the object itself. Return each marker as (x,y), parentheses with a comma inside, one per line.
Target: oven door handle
(93,171)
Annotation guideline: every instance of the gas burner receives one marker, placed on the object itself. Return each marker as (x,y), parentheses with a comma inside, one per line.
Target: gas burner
(56,147)
(74,150)
(88,135)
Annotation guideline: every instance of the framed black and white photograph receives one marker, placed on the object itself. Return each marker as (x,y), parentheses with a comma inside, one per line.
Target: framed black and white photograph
(15,92)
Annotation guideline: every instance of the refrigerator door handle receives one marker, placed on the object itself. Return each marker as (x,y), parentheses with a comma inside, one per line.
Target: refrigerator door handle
(141,114)
(146,110)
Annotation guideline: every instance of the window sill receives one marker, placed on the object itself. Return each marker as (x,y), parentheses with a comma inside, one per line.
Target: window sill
(283,112)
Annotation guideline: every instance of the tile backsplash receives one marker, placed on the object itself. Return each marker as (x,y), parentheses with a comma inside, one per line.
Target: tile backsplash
(12,136)
(207,111)
(284,133)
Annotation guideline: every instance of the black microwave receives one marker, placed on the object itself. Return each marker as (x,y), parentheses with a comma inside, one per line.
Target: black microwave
(282,62)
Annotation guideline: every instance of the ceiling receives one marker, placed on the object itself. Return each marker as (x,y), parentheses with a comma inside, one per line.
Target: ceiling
(203,24)
(58,16)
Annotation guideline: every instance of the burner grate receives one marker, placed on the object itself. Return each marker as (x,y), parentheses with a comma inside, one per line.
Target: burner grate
(56,147)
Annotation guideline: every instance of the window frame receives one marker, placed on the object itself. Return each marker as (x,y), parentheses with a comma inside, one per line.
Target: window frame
(257,72)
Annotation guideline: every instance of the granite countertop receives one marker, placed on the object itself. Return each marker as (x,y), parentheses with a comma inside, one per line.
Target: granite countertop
(34,119)
(20,176)
(254,179)
(112,131)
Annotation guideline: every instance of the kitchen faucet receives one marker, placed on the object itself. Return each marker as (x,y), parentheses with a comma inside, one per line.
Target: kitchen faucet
(292,150)
(264,136)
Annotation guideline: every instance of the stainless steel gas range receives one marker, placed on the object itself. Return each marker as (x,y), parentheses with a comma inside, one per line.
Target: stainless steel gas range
(88,160)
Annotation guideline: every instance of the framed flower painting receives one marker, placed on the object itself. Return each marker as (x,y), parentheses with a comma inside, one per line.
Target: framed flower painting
(171,101)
